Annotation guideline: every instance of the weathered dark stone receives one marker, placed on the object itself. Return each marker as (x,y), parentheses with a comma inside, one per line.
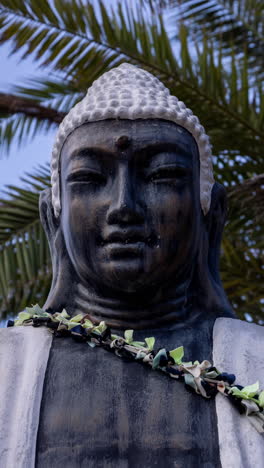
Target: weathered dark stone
(100,411)
(131,247)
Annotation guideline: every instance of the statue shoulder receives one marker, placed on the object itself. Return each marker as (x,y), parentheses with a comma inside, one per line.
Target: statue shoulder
(24,353)
(238,348)
(23,345)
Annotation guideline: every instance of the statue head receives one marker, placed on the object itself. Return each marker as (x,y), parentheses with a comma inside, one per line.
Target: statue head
(134,209)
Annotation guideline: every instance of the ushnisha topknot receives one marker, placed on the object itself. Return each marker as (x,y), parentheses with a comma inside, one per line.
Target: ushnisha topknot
(128,92)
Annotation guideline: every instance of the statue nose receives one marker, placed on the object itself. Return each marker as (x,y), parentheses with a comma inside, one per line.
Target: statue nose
(124,207)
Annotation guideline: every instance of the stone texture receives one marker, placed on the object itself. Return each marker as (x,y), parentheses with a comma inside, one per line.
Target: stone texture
(238,348)
(24,354)
(100,411)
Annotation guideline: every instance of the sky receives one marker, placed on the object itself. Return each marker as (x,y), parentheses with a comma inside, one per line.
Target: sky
(36,152)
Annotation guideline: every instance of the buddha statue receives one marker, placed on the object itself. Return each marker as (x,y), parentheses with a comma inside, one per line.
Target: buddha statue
(134,221)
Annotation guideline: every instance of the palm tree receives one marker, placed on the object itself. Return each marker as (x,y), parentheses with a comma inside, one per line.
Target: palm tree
(202,51)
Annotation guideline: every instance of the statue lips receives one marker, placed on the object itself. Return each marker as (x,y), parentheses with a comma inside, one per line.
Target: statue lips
(125,243)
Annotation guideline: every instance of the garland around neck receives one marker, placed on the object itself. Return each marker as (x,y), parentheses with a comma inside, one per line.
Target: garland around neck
(202,377)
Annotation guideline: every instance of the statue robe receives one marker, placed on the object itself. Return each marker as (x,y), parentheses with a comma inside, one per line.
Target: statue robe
(63,404)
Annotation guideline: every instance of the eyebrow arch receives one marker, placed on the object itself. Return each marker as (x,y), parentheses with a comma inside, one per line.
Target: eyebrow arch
(147,151)
(155,148)
(92,152)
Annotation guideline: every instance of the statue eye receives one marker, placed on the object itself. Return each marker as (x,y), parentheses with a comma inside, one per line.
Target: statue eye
(167,173)
(85,176)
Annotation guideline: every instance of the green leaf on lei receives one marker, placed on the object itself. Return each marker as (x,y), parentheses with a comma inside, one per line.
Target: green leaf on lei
(64,314)
(71,325)
(37,311)
(100,328)
(34,311)
(138,344)
(24,316)
(261,399)
(251,390)
(61,317)
(116,337)
(247,392)
(212,374)
(177,354)
(129,336)
(150,343)
(88,324)
(77,318)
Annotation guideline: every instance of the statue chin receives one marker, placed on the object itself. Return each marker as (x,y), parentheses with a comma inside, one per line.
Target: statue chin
(127,275)
(138,273)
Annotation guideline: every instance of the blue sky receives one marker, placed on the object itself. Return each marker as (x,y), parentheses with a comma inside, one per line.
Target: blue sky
(38,151)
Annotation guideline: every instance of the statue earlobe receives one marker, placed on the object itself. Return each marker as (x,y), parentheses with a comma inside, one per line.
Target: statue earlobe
(207,282)
(48,220)
(61,267)
(215,221)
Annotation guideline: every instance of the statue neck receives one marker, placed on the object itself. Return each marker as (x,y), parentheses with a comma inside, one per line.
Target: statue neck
(162,308)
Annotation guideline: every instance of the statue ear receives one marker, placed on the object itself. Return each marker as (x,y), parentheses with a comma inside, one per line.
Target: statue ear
(51,226)
(49,222)
(215,221)
(210,290)
(60,294)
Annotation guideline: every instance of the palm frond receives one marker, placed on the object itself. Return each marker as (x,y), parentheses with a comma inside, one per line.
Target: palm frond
(236,24)
(243,277)
(243,249)
(20,129)
(25,269)
(59,94)
(12,104)
(247,199)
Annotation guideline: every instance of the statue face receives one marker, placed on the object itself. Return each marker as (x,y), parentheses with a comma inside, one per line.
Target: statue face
(130,202)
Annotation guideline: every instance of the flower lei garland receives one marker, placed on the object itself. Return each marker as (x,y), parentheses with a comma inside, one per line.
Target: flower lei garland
(202,377)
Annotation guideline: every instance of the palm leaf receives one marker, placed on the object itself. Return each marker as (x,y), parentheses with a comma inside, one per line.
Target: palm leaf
(57,94)
(235,24)
(242,276)
(25,269)
(22,129)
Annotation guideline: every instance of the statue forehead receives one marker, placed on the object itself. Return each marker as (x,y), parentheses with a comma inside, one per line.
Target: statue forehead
(119,135)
